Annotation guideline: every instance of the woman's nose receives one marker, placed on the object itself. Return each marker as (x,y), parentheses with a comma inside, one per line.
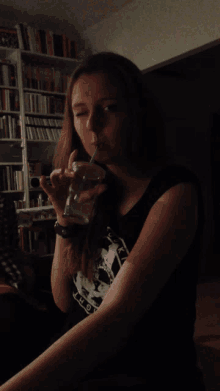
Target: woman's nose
(95,121)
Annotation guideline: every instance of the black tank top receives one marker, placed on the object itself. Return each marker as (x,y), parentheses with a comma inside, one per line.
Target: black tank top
(161,347)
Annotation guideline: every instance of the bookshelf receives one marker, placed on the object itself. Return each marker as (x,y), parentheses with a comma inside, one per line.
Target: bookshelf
(32,96)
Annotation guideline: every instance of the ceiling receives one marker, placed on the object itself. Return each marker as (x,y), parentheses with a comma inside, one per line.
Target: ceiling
(78,15)
(84,13)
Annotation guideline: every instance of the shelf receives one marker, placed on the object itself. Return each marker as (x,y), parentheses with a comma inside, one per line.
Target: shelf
(35,148)
(11,164)
(9,112)
(12,191)
(9,87)
(44,92)
(40,209)
(42,141)
(47,115)
(36,189)
(5,51)
(11,139)
(52,218)
(46,255)
(41,56)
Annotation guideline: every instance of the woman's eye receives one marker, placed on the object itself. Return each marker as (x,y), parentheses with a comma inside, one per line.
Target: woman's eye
(111,107)
(78,115)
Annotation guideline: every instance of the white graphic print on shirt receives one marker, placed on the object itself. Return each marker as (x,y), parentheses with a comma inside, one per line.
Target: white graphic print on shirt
(113,254)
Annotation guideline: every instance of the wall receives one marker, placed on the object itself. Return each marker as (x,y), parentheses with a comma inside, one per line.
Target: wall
(150,32)
(187,135)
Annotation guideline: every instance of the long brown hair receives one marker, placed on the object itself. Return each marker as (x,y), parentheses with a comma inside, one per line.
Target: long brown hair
(141,141)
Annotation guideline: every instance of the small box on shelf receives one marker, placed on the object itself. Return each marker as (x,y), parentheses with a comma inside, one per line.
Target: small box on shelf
(34,168)
(9,37)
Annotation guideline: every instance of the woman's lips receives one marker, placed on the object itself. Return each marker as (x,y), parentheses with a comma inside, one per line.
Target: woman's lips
(98,144)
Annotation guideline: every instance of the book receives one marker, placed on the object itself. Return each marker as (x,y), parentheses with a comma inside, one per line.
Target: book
(47,79)
(64,45)
(5,126)
(23,236)
(3,100)
(1,76)
(7,102)
(8,178)
(12,76)
(5,75)
(18,128)
(33,80)
(58,45)
(12,100)
(49,39)
(59,106)
(57,81)
(32,103)
(17,103)
(29,76)
(10,126)
(27,104)
(73,50)
(43,41)
(38,41)
(68,47)
(38,78)
(25,26)
(43,79)
(52,73)
(65,82)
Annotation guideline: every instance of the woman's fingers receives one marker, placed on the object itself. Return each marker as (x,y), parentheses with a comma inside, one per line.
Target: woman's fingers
(72,158)
(44,185)
(61,179)
(92,194)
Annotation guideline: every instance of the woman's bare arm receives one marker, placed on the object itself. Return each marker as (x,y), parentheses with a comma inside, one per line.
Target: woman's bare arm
(61,282)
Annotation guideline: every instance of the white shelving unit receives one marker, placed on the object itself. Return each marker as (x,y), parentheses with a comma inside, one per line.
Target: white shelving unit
(19,57)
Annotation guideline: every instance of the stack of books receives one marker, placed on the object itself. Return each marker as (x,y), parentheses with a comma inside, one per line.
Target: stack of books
(37,103)
(10,127)
(45,42)
(9,100)
(47,79)
(11,179)
(41,241)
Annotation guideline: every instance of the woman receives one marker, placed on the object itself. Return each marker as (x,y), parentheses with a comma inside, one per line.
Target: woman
(127,280)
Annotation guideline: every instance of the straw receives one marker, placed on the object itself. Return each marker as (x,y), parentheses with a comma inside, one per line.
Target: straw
(76,197)
(93,156)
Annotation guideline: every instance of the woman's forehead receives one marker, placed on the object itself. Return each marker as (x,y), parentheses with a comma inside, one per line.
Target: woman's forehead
(97,83)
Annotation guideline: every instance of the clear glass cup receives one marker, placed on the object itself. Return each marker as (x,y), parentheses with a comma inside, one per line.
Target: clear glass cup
(82,212)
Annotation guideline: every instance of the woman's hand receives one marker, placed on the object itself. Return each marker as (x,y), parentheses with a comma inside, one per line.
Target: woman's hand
(61,179)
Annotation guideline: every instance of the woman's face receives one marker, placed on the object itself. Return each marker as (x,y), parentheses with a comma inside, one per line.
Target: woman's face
(100,114)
